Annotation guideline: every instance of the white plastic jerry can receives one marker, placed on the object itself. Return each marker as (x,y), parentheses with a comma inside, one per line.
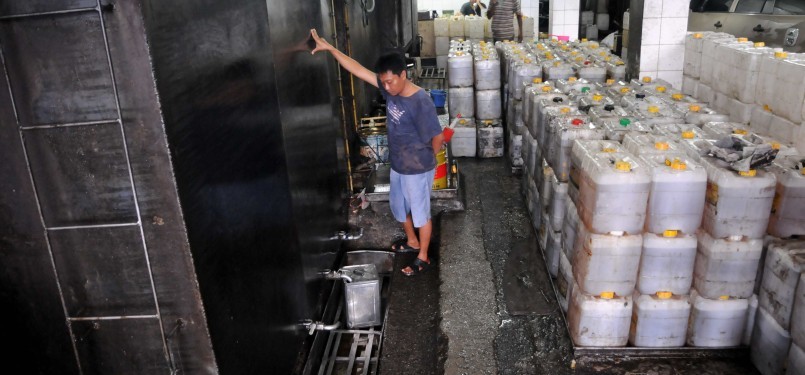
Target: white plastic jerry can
(676,200)
(659,320)
(666,264)
(606,263)
(770,344)
(788,208)
(599,320)
(736,203)
(782,268)
(726,266)
(716,323)
(613,192)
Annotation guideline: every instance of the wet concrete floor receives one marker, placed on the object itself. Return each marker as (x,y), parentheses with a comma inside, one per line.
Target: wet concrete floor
(488,305)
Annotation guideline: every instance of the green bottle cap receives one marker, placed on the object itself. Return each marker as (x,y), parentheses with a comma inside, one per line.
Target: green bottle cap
(585,89)
(625,122)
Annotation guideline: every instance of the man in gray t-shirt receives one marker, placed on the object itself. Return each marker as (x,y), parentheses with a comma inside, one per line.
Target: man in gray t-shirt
(501,11)
(414,137)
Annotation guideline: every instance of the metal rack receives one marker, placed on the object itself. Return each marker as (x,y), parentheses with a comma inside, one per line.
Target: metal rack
(433,78)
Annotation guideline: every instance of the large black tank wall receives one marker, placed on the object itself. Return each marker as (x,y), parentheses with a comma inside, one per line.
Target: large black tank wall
(253,129)
(96,274)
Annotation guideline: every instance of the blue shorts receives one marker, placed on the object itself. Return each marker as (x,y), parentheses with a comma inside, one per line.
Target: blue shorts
(410,193)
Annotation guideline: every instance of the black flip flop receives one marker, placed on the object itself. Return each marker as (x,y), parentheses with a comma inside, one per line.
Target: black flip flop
(402,246)
(418,266)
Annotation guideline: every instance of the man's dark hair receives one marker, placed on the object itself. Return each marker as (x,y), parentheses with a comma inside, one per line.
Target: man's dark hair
(390,61)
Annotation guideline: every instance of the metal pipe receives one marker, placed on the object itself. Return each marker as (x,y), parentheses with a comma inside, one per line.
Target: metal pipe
(351,77)
(341,99)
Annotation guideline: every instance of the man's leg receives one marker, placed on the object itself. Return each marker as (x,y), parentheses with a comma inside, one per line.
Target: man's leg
(401,211)
(408,227)
(424,241)
(417,189)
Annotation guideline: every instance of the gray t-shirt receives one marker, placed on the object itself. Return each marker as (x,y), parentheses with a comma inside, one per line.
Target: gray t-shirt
(411,123)
(503,19)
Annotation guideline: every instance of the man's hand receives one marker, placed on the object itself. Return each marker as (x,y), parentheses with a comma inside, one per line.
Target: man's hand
(321,44)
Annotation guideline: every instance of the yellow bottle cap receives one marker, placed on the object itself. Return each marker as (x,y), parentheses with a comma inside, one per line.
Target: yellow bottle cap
(610,81)
(574,53)
(743,39)
(766,108)
(608,58)
(670,233)
(723,298)
(462,121)
(760,44)
(624,90)
(459,53)
(527,61)
(694,108)
(546,88)
(739,131)
(598,97)
(624,166)
(660,89)
(688,134)
(619,62)
(775,145)
(653,109)
(487,122)
(749,173)
(557,64)
(602,53)
(607,295)
(647,79)
(579,59)
(780,55)
(679,165)
(572,79)
(564,110)
(583,40)
(664,295)
(537,80)
(593,45)
(661,145)
(802,171)
(610,149)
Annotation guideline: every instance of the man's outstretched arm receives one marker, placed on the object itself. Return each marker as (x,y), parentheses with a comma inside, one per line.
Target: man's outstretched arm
(347,62)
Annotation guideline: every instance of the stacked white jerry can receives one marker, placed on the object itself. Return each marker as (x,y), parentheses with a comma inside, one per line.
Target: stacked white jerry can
(562,131)
(780,85)
(607,253)
(771,338)
(616,128)
(463,143)
(788,208)
(441,32)
(716,323)
(796,355)
(490,138)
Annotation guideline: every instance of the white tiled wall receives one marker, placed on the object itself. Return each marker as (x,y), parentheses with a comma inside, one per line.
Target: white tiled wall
(564,18)
(665,23)
(530,8)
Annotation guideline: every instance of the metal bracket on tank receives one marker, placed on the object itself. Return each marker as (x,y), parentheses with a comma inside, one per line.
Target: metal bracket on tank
(311,327)
(348,236)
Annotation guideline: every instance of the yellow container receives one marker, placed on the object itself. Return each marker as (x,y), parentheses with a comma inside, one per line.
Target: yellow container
(440,175)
